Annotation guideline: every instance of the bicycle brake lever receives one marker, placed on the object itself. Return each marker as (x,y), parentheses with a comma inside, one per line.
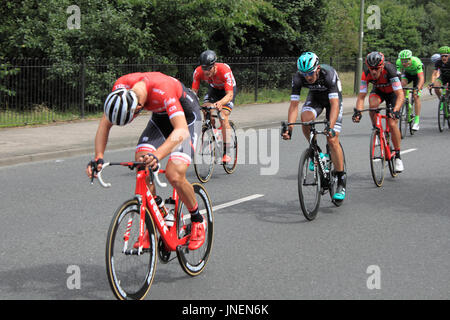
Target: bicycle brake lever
(100,179)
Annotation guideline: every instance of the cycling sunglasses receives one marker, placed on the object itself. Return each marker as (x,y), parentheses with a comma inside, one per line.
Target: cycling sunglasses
(444,55)
(375,68)
(405,60)
(308,74)
(207,68)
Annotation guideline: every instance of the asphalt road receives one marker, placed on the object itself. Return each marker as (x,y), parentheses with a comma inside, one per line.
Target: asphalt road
(394,238)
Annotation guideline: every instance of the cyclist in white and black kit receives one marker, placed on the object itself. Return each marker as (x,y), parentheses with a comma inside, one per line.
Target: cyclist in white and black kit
(325,92)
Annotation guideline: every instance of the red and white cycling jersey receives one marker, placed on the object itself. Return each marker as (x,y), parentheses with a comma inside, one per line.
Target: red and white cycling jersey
(222,80)
(163,92)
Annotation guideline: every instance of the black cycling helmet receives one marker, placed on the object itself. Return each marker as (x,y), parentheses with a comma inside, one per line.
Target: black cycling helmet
(207,59)
(375,60)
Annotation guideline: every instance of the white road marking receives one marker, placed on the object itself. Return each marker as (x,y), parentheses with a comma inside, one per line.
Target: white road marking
(234,202)
(407,151)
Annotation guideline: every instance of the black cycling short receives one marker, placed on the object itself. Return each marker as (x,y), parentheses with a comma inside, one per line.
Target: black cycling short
(215,95)
(159,128)
(389,98)
(414,78)
(315,106)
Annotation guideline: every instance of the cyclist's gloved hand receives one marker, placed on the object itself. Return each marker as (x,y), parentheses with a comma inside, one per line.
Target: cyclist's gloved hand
(93,167)
(394,114)
(330,131)
(357,115)
(286,132)
(151,160)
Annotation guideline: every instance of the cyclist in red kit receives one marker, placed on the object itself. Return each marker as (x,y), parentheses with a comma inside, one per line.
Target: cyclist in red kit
(172,130)
(221,92)
(386,87)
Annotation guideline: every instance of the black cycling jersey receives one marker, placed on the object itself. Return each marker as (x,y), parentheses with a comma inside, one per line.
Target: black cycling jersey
(443,68)
(327,86)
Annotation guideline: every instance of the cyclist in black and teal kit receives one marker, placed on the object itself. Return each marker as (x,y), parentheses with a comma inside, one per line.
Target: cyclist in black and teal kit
(411,69)
(441,73)
(325,92)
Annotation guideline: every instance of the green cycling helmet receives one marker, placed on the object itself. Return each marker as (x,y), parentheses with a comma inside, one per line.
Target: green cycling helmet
(405,54)
(307,62)
(444,50)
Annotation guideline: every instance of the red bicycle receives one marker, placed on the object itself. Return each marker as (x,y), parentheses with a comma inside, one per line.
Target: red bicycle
(380,148)
(133,244)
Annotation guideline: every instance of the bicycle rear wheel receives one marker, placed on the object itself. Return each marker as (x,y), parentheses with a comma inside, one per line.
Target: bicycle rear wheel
(377,158)
(403,121)
(204,156)
(230,167)
(308,186)
(441,115)
(333,180)
(193,262)
(130,274)
(448,113)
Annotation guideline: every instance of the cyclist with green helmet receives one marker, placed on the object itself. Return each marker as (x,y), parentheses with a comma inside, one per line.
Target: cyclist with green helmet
(411,69)
(441,72)
(325,92)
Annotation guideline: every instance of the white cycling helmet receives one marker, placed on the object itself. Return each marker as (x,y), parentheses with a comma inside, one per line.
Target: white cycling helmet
(120,106)
(435,57)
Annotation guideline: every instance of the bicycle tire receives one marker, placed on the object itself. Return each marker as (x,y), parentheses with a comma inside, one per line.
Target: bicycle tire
(193,262)
(448,113)
(230,167)
(333,180)
(411,118)
(377,158)
(441,115)
(204,156)
(305,179)
(403,120)
(122,287)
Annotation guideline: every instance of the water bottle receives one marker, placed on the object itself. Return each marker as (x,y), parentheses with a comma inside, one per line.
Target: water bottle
(160,204)
(170,217)
(325,157)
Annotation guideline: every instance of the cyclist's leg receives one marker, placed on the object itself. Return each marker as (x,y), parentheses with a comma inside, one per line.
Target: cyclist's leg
(337,156)
(226,128)
(417,102)
(438,83)
(310,111)
(396,137)
(375,99)
(151,138)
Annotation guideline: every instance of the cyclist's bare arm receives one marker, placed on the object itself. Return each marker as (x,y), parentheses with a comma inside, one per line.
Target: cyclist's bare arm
(434,75)
(334,111)
(292,116)
(226,99)
(421,81)
(360,101)
(400,99)
(179,133)
(101,139)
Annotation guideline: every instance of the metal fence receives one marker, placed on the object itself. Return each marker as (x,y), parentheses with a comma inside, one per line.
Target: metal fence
(36,91)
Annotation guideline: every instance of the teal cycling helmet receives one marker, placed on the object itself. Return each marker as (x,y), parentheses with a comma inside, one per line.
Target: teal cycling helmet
(405,54)
(444,50)
(307,62)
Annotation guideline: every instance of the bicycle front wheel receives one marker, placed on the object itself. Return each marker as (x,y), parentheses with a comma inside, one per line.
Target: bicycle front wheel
(130,273)
(308,185)
(204,156)
(232,151)
(193,262)
(403,121)
(377,158)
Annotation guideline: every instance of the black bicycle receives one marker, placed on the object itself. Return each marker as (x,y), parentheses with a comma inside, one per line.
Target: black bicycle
(210,147)
(316,173)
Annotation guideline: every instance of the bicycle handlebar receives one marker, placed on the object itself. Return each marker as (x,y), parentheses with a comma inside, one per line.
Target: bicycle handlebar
(219,114)
(130,165)
(285,124)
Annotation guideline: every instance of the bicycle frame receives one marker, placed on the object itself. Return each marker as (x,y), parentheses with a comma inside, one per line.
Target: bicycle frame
(146,201)
(209,125)
(409,100)
(379,126)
